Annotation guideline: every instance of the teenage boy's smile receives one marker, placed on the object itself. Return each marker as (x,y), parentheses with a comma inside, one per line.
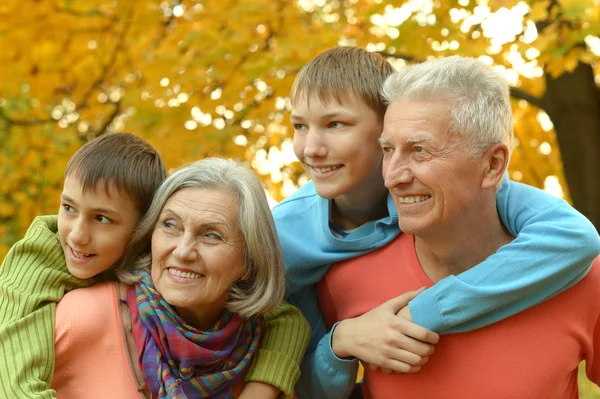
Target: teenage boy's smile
(322,171)
(94,226)
(336,142)
(79,257)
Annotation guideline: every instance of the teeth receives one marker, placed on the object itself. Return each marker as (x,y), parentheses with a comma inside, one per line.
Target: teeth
(80,255)
(413,199)
(327,169)
(179,273)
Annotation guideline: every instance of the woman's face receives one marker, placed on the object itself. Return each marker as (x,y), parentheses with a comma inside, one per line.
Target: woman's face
(198,253)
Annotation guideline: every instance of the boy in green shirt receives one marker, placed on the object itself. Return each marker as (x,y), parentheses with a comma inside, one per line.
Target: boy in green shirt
(109,184)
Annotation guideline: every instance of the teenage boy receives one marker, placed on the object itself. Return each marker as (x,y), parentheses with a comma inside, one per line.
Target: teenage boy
(346,211)
(109,185)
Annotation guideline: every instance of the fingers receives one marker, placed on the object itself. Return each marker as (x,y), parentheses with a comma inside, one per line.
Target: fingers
(397,303)
(396,367)
(419,333)
(398,360)
(403,368)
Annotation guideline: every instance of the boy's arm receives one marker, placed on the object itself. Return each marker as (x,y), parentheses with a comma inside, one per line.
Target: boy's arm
(286,334)
(33,276)
(323,374)
(553,249)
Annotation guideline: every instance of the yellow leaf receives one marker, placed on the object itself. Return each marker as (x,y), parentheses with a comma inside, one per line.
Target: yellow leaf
(539,10)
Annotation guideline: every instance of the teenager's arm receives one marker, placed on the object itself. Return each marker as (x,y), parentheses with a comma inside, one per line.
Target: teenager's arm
(286,334)
(553,249)
(323,374)
(33,276)
(378,338)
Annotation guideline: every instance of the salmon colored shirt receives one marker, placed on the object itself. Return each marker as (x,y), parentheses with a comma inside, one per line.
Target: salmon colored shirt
(92,360)
(533,355)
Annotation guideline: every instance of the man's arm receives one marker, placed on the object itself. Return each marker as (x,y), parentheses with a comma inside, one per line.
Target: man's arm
(33,276)
(276,366)
(553,249)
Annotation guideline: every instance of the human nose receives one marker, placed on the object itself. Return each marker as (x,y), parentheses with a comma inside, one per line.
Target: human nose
(185,250)
(396,171)
(79,234)
(315,144)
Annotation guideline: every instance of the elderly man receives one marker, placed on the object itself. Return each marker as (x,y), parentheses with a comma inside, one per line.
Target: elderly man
(446,144)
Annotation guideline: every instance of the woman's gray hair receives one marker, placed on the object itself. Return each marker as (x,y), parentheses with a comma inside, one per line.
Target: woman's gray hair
(479,97)
(264,287)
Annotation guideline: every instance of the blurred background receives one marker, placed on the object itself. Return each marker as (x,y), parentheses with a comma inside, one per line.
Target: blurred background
(198,78)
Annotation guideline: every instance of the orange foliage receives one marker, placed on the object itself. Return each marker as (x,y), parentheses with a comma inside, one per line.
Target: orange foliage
(212,77)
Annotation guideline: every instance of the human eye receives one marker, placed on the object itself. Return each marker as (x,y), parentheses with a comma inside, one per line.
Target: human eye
(213,236)
(420,152)
(386,149)
(337,125)
(103,219)
(67,208)
(299,127)
(168,224)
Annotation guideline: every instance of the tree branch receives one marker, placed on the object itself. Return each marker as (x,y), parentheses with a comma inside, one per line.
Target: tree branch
(106,123)
(405,57)
(22,122)
(111,62)
(531,99)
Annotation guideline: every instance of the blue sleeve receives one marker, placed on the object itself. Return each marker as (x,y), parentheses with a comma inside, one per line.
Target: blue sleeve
(323,374)
(553,249)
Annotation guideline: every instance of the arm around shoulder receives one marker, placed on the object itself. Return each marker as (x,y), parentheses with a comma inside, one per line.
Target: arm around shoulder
(32,276)
(324,374)
(286,334)
(553,249)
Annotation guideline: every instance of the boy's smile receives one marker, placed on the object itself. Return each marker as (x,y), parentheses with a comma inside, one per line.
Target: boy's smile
(336,142)
(78,256)
(94,226)
(323,171)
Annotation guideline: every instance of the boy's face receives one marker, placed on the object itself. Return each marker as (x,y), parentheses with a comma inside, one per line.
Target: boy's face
(337,144)
(94,227)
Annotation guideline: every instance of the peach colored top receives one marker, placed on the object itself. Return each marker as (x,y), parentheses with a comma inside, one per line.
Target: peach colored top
(92,361)
(533,354)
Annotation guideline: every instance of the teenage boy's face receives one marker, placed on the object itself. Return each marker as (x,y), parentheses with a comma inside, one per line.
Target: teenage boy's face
(337,144)
(94,227)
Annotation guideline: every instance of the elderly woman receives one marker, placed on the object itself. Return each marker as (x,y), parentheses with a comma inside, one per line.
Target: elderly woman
(185,320)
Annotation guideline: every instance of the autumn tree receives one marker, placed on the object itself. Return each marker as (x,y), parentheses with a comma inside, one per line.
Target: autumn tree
(212,77)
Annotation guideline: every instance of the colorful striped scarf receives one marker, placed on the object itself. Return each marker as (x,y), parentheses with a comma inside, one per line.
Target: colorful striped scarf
(179,361)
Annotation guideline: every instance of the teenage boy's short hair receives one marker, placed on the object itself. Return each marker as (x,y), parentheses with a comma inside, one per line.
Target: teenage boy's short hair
(123,160)
(343,71)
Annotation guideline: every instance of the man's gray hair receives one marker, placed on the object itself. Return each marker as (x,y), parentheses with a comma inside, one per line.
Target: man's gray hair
(479,97)
(264,287)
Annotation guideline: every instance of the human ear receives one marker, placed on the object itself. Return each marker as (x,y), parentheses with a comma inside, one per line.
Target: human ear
(496,162)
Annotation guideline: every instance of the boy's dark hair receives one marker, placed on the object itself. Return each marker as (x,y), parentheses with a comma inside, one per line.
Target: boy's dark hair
(342,71)
(127,162)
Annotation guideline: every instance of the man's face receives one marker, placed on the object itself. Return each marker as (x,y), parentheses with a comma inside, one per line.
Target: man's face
(426,167)
(337,144)
(94,227)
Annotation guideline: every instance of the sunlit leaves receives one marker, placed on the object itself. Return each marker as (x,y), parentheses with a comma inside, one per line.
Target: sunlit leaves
(203,78)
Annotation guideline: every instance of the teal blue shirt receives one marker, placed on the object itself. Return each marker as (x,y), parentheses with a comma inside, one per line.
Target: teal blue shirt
(553,249)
